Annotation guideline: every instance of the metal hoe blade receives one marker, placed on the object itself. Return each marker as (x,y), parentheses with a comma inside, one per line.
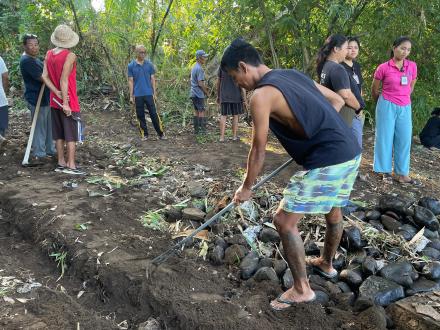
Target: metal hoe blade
(164,256)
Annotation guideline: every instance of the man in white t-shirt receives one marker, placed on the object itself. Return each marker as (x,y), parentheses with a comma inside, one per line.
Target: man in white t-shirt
(4,87)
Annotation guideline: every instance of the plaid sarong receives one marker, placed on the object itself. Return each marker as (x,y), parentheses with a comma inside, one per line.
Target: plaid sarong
(321,189)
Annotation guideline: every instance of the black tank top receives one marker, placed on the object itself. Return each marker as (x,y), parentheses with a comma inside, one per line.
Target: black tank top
(329,141)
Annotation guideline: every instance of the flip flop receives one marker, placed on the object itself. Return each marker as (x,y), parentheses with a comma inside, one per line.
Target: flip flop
(387,177)
(318,270)
(59,168)
(412,182)
(289,303)
(327,275)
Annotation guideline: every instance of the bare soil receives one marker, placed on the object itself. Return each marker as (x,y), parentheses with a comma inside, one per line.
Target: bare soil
(109,260)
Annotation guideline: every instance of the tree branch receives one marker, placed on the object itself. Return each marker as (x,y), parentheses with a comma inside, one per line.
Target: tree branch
(153,52)
(75,18)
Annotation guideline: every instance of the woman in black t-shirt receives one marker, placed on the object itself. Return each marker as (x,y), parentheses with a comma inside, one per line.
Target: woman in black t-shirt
(333,75)
(353,69)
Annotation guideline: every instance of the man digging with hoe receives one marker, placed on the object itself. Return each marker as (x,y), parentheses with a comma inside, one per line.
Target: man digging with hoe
(301,114)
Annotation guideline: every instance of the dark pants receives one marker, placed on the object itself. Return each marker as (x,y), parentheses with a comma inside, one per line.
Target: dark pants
(148,101)
(4,116)
(431,142)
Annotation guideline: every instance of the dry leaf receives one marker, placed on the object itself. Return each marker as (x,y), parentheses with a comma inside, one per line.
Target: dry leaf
(203,235)
(417,236)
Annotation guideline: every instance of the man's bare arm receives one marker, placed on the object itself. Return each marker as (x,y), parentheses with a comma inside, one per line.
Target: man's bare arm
(202,85)
(64,81)
(5,81)
(153,84)
(130,87)
(336,101)
(49,83)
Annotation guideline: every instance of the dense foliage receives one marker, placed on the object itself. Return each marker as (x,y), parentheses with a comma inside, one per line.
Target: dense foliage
(287,32)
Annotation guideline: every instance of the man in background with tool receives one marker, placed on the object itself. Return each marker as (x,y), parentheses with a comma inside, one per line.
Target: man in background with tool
(31,68)
(59,73)
(301,114)
(142,86)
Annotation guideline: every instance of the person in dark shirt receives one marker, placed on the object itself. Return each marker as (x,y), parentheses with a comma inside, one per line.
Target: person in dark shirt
(430,135)
(333,75)
(304,117)
(354,72)
(31,68)
(231,98)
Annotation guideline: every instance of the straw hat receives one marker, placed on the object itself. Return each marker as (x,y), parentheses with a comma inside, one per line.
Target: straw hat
(64,37)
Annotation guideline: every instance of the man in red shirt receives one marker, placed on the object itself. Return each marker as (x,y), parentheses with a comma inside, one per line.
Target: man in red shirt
(59,74)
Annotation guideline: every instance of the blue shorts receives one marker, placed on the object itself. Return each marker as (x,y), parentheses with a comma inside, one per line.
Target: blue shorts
(319,190)
(199,103)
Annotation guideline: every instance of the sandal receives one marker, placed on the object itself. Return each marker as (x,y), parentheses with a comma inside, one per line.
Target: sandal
(59,168)
(316,269)
(387,177)
(289,303)
(412,182)
(325,274)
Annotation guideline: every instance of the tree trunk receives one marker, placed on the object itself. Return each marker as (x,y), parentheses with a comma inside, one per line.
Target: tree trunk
(153,24)
(268,30)
(75,18)
(153,52)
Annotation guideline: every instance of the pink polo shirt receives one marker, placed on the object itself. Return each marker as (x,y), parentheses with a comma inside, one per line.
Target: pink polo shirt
(390,75)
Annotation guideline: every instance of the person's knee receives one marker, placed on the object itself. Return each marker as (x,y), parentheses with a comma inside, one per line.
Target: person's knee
(334,216)
(284,222)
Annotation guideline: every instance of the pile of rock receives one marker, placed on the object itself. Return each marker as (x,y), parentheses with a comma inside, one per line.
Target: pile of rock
(367,276)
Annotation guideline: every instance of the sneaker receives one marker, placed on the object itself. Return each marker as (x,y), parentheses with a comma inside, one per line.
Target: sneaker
(59,168)
(145,138)
(163,137)
(73,171)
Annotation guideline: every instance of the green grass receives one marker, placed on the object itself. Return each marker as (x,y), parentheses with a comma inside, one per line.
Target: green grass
(3,292)
(60,259)
(82,226)
(154,220)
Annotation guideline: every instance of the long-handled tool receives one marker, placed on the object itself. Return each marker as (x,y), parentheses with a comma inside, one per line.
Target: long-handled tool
(25,161)
(164,256)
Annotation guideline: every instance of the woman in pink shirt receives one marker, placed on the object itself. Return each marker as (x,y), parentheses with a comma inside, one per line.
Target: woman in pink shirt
(393,112)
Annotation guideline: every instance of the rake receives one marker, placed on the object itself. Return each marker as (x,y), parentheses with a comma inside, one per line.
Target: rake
(167,254)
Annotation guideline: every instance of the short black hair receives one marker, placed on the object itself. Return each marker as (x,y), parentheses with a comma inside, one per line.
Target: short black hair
(435,112)
(355,39)
(240,51)
(27,37)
